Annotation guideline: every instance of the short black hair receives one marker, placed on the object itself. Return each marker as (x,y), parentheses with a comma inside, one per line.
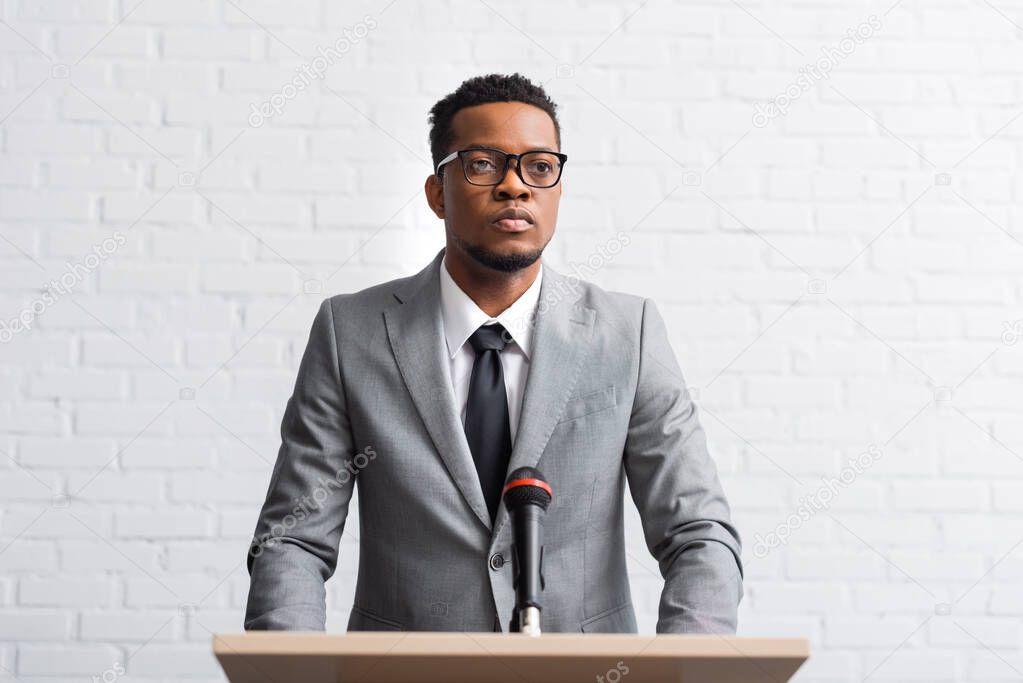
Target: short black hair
(483,90)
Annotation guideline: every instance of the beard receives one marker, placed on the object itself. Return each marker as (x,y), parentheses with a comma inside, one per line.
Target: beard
(504,263)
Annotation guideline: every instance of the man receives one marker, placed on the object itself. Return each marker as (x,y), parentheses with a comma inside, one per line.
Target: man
(425,391)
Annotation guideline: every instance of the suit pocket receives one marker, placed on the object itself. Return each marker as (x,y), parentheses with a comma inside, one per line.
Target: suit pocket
(593,402)
(619,619)
(362,620)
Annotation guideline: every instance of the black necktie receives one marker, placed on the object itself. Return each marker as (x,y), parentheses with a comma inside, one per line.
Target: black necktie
(486,414)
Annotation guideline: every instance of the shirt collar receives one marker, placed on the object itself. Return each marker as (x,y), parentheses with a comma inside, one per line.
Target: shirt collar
(462,316)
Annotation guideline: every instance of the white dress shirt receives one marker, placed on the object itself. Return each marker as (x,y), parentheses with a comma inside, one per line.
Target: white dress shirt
(462,317)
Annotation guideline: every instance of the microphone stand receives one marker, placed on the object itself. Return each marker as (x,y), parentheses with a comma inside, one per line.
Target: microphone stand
(526,614)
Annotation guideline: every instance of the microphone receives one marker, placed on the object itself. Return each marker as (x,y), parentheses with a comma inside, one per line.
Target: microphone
(526,497)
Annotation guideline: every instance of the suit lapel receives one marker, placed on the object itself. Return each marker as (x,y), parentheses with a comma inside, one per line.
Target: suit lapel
(562,335)
(415,330)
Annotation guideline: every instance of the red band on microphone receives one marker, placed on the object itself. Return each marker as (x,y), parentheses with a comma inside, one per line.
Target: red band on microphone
(528,482)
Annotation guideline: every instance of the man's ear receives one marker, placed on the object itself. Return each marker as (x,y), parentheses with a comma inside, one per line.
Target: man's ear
(434,189)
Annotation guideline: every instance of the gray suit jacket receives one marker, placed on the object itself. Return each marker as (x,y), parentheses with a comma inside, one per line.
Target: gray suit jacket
(604,401)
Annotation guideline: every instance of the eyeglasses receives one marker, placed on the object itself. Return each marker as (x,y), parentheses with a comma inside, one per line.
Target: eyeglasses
(485,166)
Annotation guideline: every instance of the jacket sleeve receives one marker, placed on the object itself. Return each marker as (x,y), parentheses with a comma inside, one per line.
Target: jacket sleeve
(295,546)
(674,483)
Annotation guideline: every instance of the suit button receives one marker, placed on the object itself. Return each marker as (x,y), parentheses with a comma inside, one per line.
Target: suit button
(496,561)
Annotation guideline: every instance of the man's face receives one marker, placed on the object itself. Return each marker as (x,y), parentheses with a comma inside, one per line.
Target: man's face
(469,211)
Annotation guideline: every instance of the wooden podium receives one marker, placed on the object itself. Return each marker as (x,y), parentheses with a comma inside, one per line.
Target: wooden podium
(456,657)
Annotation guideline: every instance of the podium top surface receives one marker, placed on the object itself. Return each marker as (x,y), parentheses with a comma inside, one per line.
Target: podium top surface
(432,657)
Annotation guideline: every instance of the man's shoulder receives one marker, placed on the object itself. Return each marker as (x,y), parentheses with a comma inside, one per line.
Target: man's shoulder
(606,301)
(371,298)
(616,312)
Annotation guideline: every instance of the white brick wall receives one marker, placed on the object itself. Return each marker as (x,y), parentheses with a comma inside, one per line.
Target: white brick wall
(841,277)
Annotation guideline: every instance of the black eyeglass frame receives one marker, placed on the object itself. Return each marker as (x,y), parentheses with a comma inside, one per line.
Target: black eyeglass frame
(459,154)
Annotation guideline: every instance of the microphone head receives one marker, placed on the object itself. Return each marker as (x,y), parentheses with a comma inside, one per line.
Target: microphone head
(526,486)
